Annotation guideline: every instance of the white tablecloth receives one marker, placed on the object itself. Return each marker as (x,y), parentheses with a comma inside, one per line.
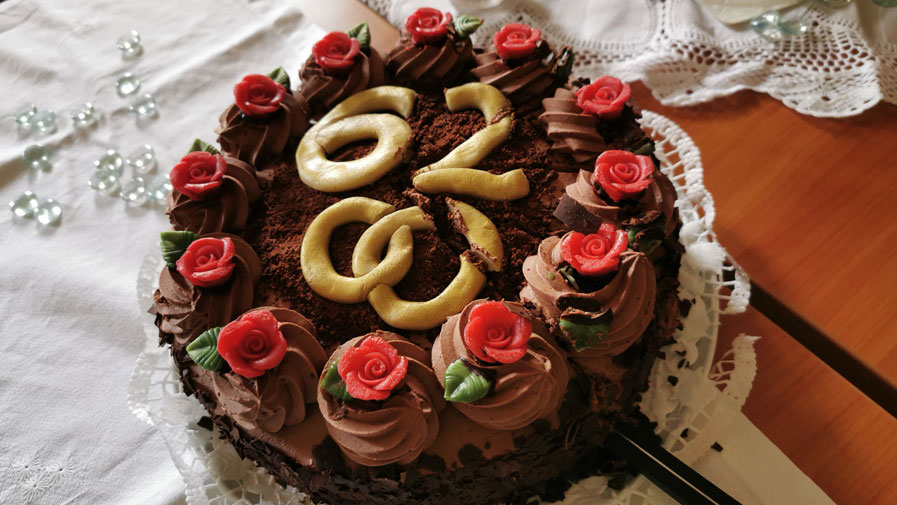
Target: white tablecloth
(69,328)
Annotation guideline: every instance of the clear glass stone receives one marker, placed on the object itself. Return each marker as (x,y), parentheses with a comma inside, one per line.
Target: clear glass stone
(85,116)
(25,205)
(134,191)
(25,115)
(144,105)
(767,25)
(104,181)
(111,162)
(795,28)
(143,160)
(159,188)
(48,212)
(37,157)
(44,121)
(127,84)
(129,44)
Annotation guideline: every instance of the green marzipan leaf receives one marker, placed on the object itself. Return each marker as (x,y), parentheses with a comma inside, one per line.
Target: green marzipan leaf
(645,149)
(199,145)
(462,385)
(173,245)
(204,350)
(582,335)
(465,25)
(280,76)
(334,384)
(569,273)
(565,65)
(363,34)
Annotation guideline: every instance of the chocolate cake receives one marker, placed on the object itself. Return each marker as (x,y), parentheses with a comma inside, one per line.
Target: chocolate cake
(440,275)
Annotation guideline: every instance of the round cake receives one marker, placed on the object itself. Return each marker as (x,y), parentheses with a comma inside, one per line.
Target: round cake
(437,275)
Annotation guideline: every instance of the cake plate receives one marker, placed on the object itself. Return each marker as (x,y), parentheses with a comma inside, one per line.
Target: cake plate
(690,396)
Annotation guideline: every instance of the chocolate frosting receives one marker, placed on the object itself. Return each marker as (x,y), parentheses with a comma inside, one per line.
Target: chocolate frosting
(521,81)
(629,297)
(323,90)
(396,430)
(187,310)
(227,211)
(573,131)
(425,63)
(583,208)
(277,399)
(255,138)
(528,389)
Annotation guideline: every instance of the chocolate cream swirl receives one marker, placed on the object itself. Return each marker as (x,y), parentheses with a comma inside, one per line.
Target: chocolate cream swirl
(521,81)
(396,430)
(583,207)
(256,138)
(227,211)
(528,389)
(572,131)
(629,297)
(428,63)
(277,399)
(323,90)
(187,310)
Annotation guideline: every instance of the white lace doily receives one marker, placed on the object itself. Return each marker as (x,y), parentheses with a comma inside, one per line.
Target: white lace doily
(689,414)
(686,56)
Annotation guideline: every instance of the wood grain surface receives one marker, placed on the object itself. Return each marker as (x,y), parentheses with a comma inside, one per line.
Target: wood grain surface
(808,207)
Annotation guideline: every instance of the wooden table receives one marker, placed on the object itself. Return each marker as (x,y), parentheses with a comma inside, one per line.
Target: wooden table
(808,207)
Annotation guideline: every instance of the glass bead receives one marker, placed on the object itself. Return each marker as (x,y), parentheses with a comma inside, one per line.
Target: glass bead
(48,212)
(111,162)
(144,105)
(37,157)
(767,25)
(44,121)
(795,28)
(85,116)
(25,115)
(104,181)
(127,84)
(143,160)
(25,205)
(159,188)
(129,44)
(134,191)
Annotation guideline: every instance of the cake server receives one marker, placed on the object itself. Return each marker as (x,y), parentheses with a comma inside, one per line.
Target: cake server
(845,363)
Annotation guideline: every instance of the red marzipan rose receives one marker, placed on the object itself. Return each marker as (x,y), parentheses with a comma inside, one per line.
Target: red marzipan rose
(371,368)
(258,94)
(428,25)
(336,52)
(605,97)
(207,262)
(198,175)
(516,40)
(622,174)
(252,344)
(495,334)
(595,253)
